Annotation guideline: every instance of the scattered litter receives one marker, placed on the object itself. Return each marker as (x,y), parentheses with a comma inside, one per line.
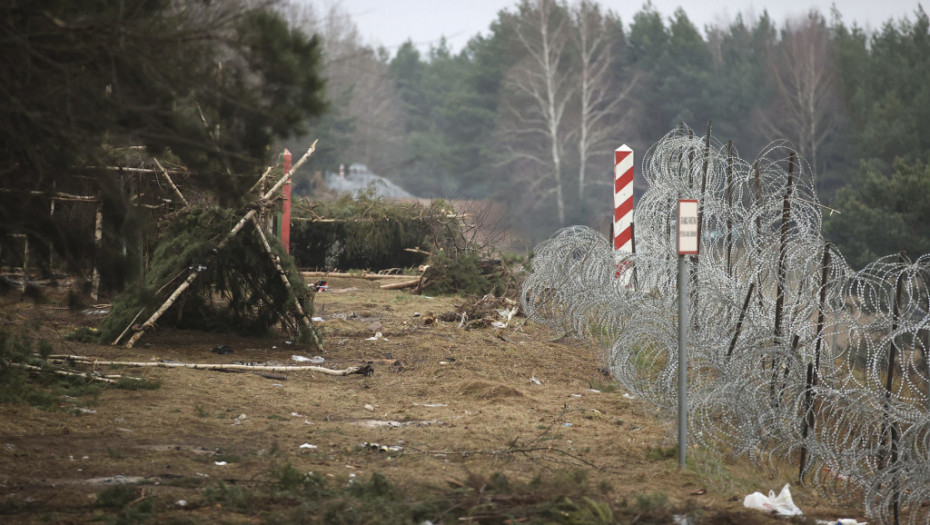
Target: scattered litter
(782,504)
(498,324)
(316,319)
(376,337)
(222,349)
(96,311)
(381,448)
(181,503)
(276,384)
(220,463)
(288,342)
(628,396)
(295,414)
(369,407)
(202,475)
(241,417)
(568,424)
(535,381)
(842,521)
(300,359)
(594,391)
(274,347)
(417,314)
(86,410)
(351,477)
(317,359)
(680,519)
(699,492)
(576,395)
(431,405)
(308,445)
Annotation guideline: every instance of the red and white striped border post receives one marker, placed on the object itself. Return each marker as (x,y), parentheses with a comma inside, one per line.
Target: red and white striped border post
(623,210)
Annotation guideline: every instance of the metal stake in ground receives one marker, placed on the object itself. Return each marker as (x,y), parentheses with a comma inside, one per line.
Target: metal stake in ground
(687,246)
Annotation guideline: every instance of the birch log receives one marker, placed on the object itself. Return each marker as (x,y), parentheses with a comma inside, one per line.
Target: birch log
(167,177)
(365,369)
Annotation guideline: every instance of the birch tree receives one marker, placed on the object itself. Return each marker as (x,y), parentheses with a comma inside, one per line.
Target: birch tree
(805,107)
(539,89)
(603,103)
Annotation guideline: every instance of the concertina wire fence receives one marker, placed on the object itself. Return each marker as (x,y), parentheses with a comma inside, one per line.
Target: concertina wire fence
(792,354)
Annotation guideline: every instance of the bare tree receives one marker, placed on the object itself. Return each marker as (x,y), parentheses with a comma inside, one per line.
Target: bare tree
(805,105)
(359,87)
(603,102)
(539,89)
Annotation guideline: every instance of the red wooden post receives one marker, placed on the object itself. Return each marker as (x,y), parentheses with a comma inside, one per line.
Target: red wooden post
(286,206)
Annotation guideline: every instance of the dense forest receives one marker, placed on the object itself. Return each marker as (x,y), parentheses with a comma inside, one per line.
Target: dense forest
(529,111)
(526,113)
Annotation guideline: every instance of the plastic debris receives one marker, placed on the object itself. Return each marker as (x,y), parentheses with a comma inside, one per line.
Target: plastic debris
(181,503)
(317,319)
(308,445)
(381,448)
(220,463)
(376,337)
(628,396)
(568,424)
(317,359)
(842,521)
(300,359)
(369,408)
(535,381)
(782,504)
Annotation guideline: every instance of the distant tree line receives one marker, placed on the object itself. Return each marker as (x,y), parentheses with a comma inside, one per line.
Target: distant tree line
(529,110)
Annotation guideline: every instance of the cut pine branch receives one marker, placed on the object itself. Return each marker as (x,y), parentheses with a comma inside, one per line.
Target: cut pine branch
(195,270)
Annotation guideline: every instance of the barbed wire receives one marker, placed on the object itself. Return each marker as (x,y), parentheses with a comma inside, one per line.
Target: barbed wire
(792,353)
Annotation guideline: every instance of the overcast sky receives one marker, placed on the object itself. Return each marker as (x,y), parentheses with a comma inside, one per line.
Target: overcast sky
(391,22)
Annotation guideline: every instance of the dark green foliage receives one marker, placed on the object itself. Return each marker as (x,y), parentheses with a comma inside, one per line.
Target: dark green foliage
(79,75)
(465,274)
(238,290)
(366,232)
(39,388)
(882,214)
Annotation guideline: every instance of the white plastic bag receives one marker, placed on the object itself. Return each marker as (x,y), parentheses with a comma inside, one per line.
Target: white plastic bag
(782,504)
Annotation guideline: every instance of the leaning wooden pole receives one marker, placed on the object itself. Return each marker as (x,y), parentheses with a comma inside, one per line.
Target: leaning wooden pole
(301,314)
(167,177)
(813,369)
(196,269)
(781,270)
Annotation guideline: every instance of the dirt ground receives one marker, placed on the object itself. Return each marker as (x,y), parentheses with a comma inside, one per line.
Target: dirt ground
(454,402)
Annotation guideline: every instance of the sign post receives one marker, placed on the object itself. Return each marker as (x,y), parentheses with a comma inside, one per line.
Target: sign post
(623,211)
(687,245)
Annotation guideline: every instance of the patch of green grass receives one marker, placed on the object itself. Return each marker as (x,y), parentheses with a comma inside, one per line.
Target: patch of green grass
(83,334)
(661,453)
(128,383)
(114,453)
(200,411)
(276,417)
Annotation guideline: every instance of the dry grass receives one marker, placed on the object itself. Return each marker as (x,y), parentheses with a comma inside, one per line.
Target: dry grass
(462,405)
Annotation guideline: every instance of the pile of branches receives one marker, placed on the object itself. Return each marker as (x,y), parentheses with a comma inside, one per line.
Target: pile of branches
(240,291)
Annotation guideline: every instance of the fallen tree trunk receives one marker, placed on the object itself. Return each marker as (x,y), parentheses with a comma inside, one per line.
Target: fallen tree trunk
(365,369)
(400,286)
(368,276)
